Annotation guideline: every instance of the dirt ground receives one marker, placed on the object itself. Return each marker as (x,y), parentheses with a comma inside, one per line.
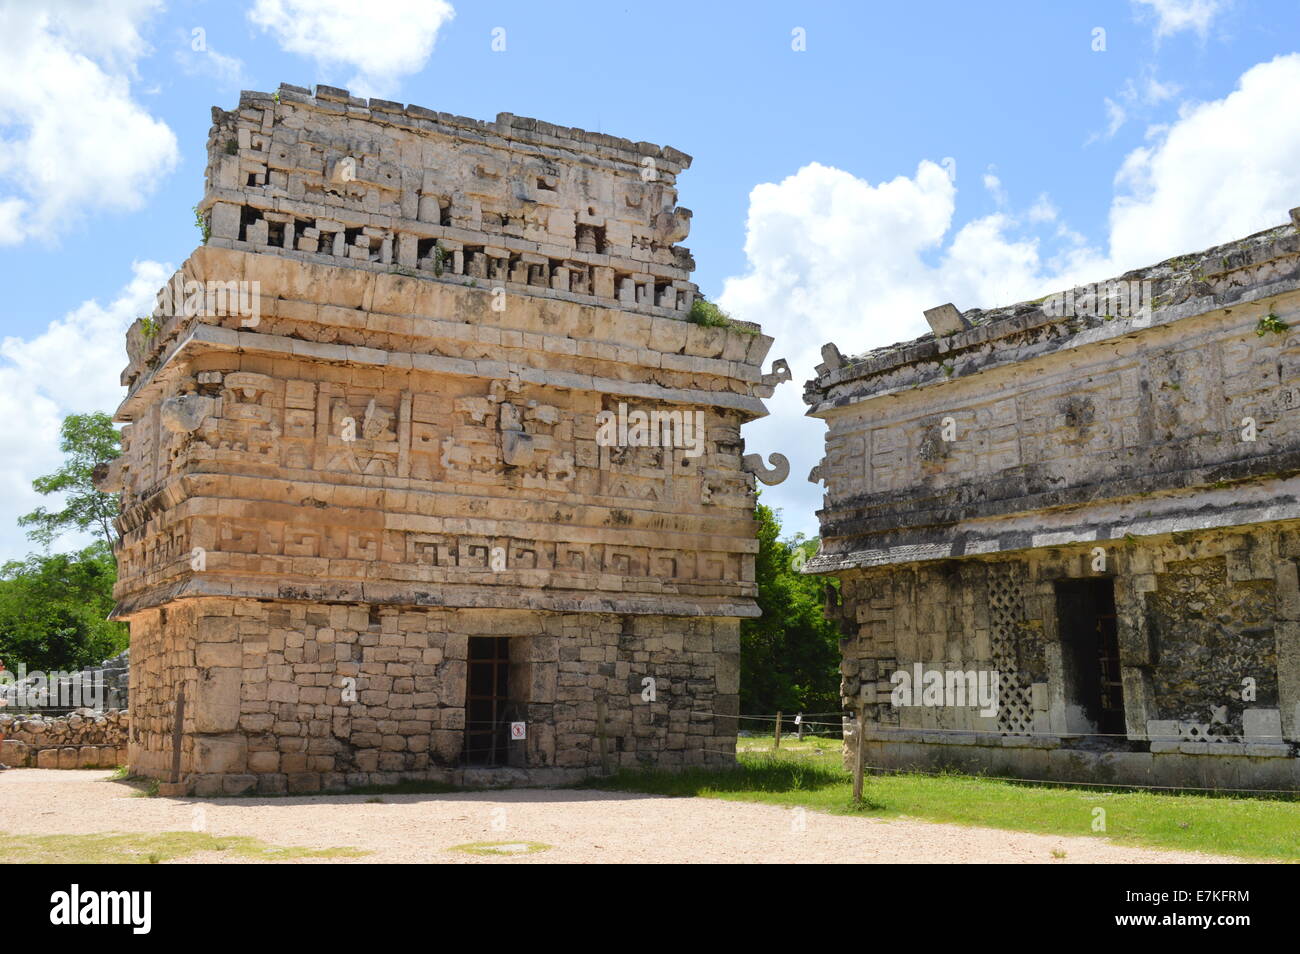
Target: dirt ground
(579,826)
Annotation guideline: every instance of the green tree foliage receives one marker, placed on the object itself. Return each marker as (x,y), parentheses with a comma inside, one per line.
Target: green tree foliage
(789,657)
(54,609)
(86,440)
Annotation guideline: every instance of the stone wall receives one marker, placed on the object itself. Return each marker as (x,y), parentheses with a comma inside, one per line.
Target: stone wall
(81,739)
(268,706)
(1203,623)
(344,461)
(1185,655)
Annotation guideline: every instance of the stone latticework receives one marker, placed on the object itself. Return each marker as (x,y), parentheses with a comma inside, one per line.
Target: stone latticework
(388,448)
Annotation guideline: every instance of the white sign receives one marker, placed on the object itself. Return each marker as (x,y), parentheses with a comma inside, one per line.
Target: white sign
(518,730)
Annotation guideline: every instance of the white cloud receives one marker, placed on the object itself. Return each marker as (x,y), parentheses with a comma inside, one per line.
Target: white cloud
(1116,116)
(72,138)
(1042,210)
(835,258)
(197,57)
(993,185)
(70,367)
(1136,98)
(383,40)
(1211,175)
(832,257)
(1174,16)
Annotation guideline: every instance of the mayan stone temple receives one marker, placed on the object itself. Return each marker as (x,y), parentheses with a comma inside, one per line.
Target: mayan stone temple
(389,509)
(1089,504)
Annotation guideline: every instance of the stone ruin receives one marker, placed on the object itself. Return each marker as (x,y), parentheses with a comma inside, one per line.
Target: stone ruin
(370,530)
(111,677)
(81,739)
(1095,496)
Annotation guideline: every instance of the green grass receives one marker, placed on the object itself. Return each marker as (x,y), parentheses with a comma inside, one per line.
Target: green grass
(1263,828)
(502,849)
(791,745)
(142,849)
(144,787)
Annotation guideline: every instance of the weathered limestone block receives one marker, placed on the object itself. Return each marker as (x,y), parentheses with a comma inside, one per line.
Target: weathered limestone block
(219,755)
(216,702)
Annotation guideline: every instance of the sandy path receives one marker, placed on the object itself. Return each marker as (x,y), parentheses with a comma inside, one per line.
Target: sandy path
(582,826)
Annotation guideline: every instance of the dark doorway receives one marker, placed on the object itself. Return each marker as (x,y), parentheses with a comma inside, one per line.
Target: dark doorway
(487,701)
(1090,651)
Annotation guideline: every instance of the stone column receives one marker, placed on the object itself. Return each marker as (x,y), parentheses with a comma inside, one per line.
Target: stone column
(1287,633)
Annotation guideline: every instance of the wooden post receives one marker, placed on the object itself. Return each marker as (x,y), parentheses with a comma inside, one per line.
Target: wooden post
(601,735)
(776,743)
(859,756)
(178,731)
(799,722)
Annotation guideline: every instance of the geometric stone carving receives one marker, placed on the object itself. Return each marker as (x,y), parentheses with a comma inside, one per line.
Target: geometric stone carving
(183,413)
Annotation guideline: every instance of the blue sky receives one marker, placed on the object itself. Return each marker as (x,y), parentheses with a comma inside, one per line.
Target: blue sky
(910,154)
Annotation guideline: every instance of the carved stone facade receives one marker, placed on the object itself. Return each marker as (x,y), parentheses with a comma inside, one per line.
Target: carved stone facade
(363,456)
(1098,502)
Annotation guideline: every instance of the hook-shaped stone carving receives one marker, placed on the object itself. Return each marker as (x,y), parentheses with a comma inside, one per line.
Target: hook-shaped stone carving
(779,471)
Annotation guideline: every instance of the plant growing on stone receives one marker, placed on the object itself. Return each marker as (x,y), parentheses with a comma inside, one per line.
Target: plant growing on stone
(149,326)
(1271,323)
(201,222)
(707,314)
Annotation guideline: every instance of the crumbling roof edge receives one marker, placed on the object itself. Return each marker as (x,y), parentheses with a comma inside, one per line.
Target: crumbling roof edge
(1176,281)
(520,128)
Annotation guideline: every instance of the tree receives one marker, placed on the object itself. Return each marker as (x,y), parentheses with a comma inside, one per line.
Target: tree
(789,657)
(54,609)
(86,440)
